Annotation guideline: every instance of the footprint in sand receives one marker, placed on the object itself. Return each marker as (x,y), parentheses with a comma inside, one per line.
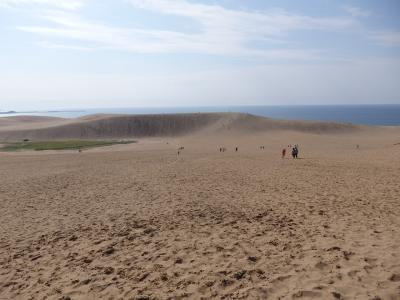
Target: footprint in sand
(307,294)
(395,277)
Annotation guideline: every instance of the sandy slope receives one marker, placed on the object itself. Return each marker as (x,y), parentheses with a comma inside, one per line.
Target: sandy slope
(29,122)
(138,222)
(133,126)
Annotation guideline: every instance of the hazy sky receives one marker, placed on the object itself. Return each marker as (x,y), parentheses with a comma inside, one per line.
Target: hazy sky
(125,53)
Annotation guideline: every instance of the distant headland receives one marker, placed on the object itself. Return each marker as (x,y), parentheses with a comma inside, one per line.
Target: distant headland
(39,112)
(8,112)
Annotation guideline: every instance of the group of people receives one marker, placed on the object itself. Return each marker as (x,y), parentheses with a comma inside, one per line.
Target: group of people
(295,151)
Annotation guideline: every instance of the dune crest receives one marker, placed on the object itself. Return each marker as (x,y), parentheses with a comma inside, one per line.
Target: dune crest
(124,126)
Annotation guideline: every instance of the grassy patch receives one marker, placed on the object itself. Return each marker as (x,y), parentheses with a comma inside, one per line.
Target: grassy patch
(59,145)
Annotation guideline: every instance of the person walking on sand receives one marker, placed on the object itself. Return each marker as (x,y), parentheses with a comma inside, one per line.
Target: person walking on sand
(295,151)
(283,153)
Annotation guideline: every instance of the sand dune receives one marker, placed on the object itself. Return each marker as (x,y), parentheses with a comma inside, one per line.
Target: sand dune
(6,121)
(28,122)
(140,222)
(123,126)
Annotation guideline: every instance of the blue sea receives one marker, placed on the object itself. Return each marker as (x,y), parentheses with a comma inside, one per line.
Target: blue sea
(357,114)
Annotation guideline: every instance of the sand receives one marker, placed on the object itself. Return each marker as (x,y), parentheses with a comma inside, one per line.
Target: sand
(127,126)
(140,222)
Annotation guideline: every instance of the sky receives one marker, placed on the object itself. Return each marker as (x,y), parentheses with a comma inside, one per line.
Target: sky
(60,54)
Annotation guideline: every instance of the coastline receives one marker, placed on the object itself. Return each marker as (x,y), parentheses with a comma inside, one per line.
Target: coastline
(384,114)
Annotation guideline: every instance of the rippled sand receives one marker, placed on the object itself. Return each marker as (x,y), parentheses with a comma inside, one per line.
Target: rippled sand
(139,222)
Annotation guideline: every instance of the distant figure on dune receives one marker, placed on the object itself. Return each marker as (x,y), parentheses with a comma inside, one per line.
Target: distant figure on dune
(236,150)
(358,146)
(180,149)
(283,153)
(295,151)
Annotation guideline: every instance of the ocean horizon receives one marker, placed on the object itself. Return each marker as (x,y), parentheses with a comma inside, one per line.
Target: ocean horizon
(384,115)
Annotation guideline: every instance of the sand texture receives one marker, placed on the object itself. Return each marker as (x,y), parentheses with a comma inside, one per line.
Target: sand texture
(140,222)
(127,126)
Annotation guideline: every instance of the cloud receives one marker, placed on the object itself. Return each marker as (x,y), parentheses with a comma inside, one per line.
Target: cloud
(230,21)
(100,37)
(356,11)
(386,38)
(64,4)
(222,31)
(50,45)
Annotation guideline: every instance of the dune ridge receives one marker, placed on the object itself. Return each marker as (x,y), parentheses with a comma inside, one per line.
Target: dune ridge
(134,126)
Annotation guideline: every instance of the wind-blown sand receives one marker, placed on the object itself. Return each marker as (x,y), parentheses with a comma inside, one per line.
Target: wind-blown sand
(139,222)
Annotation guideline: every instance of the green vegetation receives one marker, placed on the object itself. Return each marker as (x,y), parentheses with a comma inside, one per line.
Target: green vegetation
(60,145)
